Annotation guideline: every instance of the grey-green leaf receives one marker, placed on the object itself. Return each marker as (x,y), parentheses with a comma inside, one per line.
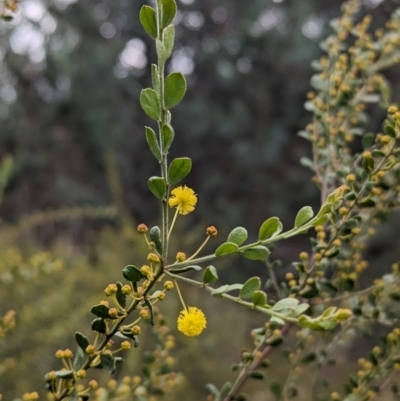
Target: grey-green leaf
(162,52)
(270,227)
(148,20)
(226,248)
(65,374)
(108,363)
(169,38)
(210,275)
(226,288)
(179,169)
(79,358)
(258,252)
(305,214)
(175,88)
(151,138)
(284,304)
(251,285)
(238,235)
(157,187)
(150,103)
(167,134)
(155,79)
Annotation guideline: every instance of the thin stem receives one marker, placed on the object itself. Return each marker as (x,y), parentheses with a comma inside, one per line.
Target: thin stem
(173,222)
(355,294)
(199,250)
(112,332)
(180,295)
(273,278)
(285,235)
(247,370)
(237,300)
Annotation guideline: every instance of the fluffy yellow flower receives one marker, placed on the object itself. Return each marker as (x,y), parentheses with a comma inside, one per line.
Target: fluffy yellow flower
(184,199)
(191,322)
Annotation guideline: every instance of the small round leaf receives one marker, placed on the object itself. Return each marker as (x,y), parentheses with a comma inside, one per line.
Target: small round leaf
(150,103)
(251,285)
(175,88)
(147,17)
(157,187)
(270,227)
(226,248)
(238,235)
(179,169)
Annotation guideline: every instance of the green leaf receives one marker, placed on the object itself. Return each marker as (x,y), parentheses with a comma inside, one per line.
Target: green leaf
(276,389)
(167,134)
(258,252)
(65,374)
(277,320)
(99,325)
(305,214)
(179,169)
(185,269)
(238,235)
(168,12)
(226,248)
(157,187)
(225,390)
(175,88)
(121,297)
(300,309)
(150,103)
(270,227)
(368,202)
(162,52)
(132,273)
(251,285)
(151,138)
(284,304)
(389,130)
(82,340)
(100,311)
(325,209)
(309,323)
(256,374)
(108,362)
(321,220)
(78,359)
(169,38)
(210,275)
(217,292)
(259,298)
(368,140)
(148,20)
(212,389)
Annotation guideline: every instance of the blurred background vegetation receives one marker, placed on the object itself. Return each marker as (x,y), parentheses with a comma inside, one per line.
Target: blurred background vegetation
(70,76)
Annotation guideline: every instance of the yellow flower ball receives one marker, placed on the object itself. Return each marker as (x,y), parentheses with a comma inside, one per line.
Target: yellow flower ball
(191,322)
(184,199)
